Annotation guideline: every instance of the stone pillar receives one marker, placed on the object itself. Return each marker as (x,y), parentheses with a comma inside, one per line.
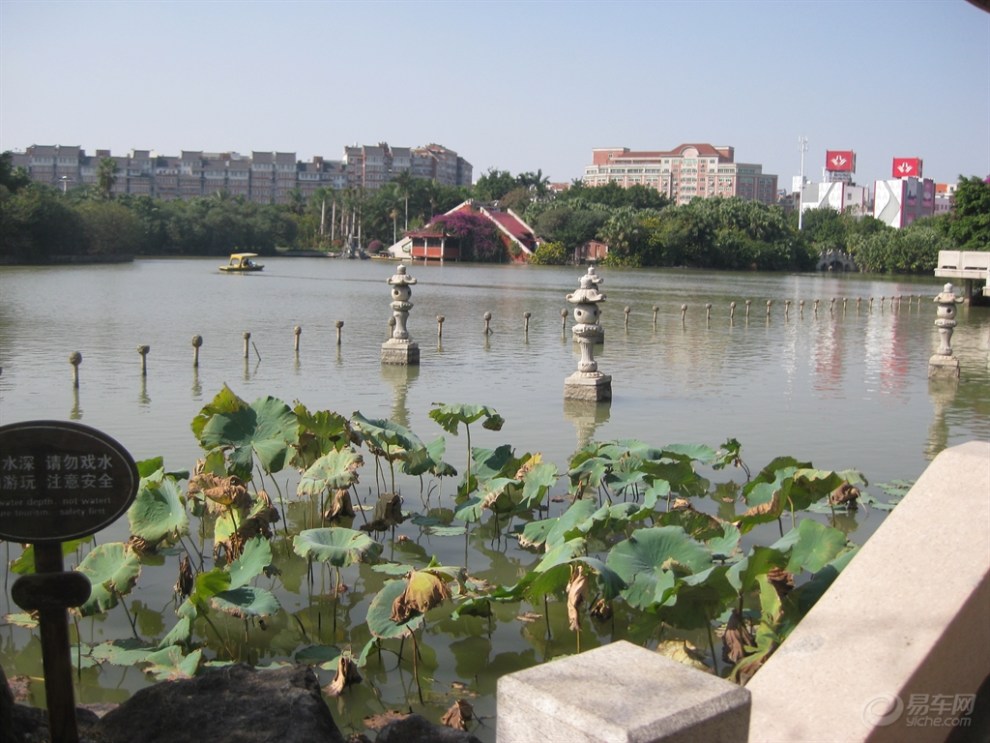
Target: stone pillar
(619,692)
(943,364)
(587,383)
(399,348)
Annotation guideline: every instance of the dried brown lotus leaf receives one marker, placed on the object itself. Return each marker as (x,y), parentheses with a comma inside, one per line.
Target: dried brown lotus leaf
(423,591)
(736,639)
(458,716)
(347,675)
(577,594)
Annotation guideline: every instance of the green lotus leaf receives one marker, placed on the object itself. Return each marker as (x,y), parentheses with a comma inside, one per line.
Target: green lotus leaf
(157,511)
(334,470)
(24,564)
(536,482)
(450,416)
(170,664)
(698,598)
(816,546)
(429,459)
(758,562)
(649,560)
(385,438)
(255,556)
(562,553)
(246,601)
(112,570)
(266,429)
(319,432)
(336,545)
(380,621)
(180,634)
(128,652)
(555,531)
(324,656)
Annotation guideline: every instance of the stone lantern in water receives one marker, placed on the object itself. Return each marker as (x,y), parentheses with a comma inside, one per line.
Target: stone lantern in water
(943,363)
(399,349)
(587,383)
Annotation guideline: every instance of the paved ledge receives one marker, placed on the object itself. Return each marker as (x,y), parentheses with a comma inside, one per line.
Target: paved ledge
(908,620)
(619,693)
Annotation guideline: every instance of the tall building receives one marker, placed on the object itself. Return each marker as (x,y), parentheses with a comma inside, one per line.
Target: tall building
(900,201)
(684,173)
(264,177)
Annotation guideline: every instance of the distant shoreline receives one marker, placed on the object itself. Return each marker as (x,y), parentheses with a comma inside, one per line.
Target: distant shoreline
(63,260)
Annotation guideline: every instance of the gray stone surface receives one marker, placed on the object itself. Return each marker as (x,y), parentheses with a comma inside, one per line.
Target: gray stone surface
(400,352)
(907,620)
(619,693)
(236,704)
(588,386)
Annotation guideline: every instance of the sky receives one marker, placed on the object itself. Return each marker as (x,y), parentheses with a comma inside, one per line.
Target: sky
(512,85)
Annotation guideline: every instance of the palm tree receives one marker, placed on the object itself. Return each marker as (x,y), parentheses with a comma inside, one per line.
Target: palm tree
(106,177)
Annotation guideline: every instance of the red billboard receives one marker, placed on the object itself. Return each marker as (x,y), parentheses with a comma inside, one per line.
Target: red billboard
(840,161)
(905,167)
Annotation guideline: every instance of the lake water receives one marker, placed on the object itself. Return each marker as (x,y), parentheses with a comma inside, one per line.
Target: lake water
(843,387)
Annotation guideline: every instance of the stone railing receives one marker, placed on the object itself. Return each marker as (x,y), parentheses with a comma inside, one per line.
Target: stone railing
(895,650)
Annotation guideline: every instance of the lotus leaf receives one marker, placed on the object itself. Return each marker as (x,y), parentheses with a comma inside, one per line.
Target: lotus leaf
(112,570)
(334,470)
(336,545)
(380,621)
(647,561)
(266,429)
(246,601)
(255,556)
(816,545)
(157,511)
(170,664)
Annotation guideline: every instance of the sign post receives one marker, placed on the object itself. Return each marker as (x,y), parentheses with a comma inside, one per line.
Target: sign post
(59,481)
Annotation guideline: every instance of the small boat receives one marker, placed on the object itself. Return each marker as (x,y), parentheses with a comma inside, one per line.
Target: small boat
(242,263)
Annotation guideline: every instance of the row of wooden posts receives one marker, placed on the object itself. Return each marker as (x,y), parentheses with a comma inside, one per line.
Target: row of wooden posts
(75,358)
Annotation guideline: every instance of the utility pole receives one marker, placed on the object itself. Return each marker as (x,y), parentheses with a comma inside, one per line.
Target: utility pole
(803,147)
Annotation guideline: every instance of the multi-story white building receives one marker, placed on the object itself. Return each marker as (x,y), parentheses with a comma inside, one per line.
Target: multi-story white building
(684,173)
(841,196)
(264,177)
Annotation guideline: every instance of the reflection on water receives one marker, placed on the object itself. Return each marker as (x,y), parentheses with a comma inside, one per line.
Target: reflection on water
(587,416)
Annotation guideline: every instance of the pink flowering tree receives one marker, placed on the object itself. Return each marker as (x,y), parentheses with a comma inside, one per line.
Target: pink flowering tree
(477,237)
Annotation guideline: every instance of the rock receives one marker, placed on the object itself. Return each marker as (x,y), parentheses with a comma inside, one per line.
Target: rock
(235,704)
(417,729)
(6,709)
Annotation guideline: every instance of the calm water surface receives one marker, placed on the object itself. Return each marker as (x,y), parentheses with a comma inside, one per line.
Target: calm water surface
(844,386)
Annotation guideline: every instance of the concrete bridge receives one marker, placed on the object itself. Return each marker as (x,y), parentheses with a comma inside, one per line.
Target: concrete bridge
(835,260)
(969,265)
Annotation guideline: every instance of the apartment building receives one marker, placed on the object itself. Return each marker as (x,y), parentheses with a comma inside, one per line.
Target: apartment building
(262,177)
(684,173)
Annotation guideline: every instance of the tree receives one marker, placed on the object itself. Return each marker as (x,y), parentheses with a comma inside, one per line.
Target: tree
(111,228)
(493,185)
(106,178)
(12,179)
(969,223)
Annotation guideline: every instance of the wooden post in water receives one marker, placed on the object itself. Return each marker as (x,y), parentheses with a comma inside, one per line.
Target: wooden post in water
(197,343)
(732,311)
(75,358)
(247,342)
(683,314)
(296,331)
(440,319)
(340,325)
(625,311)
(526,316)
(143,350)
(748,303)
(563,320)
(488,320)
(655,311)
